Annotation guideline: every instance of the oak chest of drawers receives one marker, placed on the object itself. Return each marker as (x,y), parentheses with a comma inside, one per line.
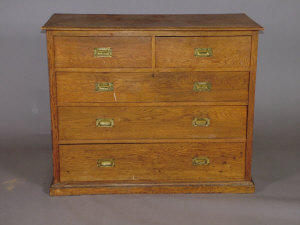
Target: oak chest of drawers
(151,103)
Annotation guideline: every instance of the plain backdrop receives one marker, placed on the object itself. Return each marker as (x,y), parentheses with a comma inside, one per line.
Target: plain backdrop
(25,143)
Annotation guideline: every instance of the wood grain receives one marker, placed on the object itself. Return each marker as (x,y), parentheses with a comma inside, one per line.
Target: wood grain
(139,141)
(53,108)
(156,21)
(150,33)
(153,162)
(179,52)
(153,69)
(129,104)
(250,118)
(126,52)
(152,87)
(135,188)
(77,123)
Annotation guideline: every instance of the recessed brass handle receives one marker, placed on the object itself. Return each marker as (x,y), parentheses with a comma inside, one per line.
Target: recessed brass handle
(201,122)
(203,52)
(104,86)
(202,86)
(106,163)
(103,52)
(200,161)
(104,122)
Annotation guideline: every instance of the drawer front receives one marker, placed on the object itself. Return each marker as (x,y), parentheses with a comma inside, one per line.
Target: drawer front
(203,52)
(153,162)
(148,87)
(92,123)
(103,52)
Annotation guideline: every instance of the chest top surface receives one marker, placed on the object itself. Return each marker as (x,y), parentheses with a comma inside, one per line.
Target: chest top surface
(151,22)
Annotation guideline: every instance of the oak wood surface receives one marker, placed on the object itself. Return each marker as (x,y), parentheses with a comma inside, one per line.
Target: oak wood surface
(202,187)
(133,141)
(250,113)
(179,52)
(77,123)
(154,21)
(153,68)
(53,108)
(126,52)
(152,87)
(156,70)
(153,162)
(150,33)
(129,104)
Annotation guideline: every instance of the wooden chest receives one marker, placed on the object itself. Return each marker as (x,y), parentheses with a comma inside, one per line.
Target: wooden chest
(151,103)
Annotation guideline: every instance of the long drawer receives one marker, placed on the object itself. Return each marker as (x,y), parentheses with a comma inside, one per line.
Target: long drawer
(109,123)
(103,52)
(152,87)
(153,162)
(203,52)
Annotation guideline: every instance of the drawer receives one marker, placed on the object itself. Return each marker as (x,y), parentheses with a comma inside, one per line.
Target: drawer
(152,162)
(109,123)
(148,87)
(103,52)
(203,52)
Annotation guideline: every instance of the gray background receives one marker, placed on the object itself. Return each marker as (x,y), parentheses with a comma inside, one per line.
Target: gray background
(25,145)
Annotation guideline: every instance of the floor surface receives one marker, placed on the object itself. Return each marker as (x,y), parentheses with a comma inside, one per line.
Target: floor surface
(25,175)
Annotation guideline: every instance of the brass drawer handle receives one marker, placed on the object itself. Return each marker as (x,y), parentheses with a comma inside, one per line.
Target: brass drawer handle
(201,122)
(104,122)
(200,161)
(102,52)
(104,86)
(202,86)
(106,163)
(203,52)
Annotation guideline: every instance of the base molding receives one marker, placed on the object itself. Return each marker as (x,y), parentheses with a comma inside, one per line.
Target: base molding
(157,188)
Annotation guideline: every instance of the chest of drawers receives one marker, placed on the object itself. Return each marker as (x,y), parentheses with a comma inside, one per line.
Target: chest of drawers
(151,103)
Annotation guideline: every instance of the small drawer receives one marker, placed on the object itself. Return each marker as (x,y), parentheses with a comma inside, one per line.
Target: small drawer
(103,52)
(188,162)
(148,87)
(123,123)
(203,52)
